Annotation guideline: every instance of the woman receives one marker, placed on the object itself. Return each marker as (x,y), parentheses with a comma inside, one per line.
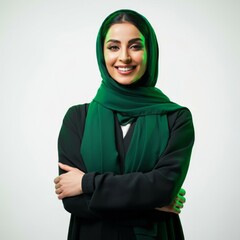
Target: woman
(124,157)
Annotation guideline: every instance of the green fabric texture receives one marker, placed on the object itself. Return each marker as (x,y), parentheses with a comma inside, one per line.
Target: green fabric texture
(141,102)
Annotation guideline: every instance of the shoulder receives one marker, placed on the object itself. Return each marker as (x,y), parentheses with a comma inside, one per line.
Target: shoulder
(75,115)
(183,112)
(179,117)
(76,111)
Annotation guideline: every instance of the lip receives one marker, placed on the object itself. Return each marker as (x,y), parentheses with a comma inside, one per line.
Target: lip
(125,70)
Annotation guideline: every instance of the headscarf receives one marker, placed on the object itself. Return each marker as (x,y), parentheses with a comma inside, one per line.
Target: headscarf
(142,102)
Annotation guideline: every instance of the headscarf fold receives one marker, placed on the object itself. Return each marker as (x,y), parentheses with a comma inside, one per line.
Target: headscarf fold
(142,102)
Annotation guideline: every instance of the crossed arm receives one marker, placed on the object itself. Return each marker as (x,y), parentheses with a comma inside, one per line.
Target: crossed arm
(161,185)
(69,184)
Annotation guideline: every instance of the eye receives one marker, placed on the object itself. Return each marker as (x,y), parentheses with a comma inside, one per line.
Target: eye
(137,47)
(113,48)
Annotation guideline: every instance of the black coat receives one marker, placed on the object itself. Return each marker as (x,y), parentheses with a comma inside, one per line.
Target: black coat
(112,205)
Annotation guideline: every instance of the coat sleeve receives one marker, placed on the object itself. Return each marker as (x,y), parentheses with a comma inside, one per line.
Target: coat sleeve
(142,191)
(69,141)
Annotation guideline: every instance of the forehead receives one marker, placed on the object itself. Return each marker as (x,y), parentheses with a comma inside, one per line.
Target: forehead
(123,32)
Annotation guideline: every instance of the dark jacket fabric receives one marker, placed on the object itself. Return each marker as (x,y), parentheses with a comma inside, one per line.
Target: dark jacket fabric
(111,205)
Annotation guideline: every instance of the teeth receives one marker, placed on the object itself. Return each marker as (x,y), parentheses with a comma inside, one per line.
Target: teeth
(125,69)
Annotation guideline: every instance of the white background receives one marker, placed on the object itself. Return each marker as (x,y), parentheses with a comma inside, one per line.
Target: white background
(48,63)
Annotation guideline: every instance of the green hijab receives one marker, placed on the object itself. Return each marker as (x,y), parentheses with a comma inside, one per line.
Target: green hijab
(141,102)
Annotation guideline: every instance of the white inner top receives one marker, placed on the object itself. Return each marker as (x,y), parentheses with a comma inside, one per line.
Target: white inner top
(125,129)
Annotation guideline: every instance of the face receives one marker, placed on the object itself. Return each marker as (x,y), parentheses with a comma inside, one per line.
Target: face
(125,53)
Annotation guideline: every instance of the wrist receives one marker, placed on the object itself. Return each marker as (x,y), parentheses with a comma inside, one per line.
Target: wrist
(87,184)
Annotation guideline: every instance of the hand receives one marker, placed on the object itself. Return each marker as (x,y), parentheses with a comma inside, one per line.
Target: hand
(176,205)
(68,184)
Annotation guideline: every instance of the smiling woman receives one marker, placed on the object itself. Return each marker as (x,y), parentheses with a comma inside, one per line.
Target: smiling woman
(125,53)
(125,185)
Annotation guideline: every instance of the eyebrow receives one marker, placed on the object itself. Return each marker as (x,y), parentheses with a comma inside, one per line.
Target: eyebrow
(130,41)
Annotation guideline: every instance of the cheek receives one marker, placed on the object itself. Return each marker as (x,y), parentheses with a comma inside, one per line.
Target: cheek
(142,60)
(142,63)
(109,59)
(145,63)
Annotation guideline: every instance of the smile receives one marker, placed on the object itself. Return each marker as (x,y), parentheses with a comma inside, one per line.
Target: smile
(125,70)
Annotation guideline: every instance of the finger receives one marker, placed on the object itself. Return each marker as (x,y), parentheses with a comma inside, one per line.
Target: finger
(178,204)
(57,186)
(56,180)
(58,191)
(180,198)
(65,167)
(61,196)
(182,192)
(176,210)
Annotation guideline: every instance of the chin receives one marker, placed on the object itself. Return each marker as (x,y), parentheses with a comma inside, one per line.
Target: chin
(124,82)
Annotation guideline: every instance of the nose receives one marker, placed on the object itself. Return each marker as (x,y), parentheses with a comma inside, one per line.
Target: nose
(125,57)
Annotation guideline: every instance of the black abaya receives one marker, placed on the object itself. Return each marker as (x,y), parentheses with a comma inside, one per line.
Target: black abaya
(105,210)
